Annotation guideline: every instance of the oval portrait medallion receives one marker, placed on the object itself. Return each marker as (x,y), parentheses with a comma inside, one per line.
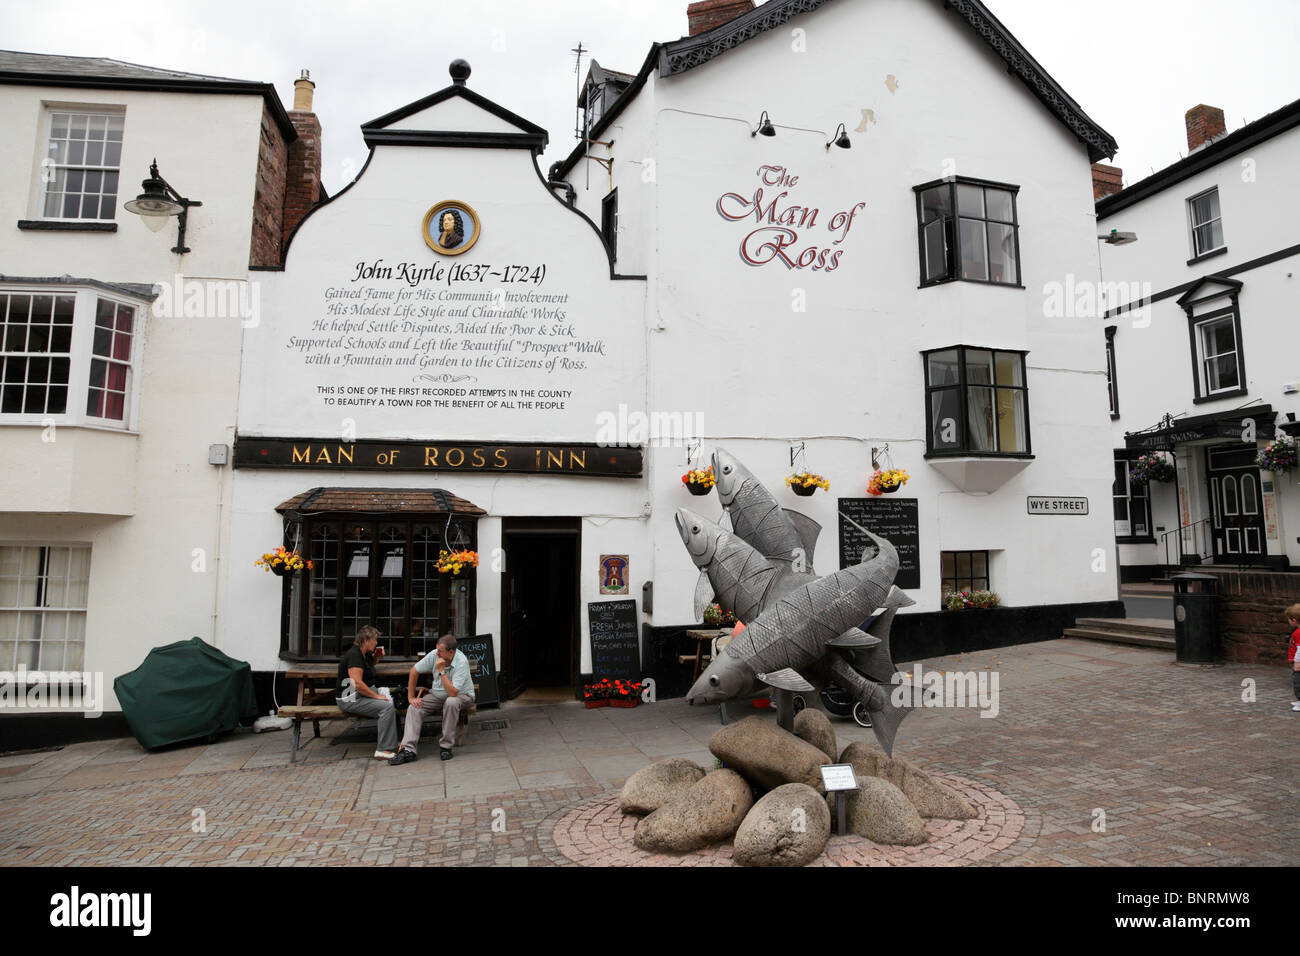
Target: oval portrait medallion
(450,228)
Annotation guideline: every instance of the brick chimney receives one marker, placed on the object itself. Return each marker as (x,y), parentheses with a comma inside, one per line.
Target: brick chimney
(1204,124)
(302,178)
(1106,180)
(707,14)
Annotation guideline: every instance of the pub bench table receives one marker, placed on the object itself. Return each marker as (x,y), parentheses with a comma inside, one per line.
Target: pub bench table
(316,684)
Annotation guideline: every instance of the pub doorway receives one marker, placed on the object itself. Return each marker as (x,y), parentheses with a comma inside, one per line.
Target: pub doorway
(539,607)
(1236,509)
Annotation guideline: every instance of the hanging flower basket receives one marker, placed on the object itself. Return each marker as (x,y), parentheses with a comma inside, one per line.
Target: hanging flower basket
(886,481)
(699,481)
(1278,456)
(282,561)
(804,483)
(717,616)
(1152,466)
(457,563)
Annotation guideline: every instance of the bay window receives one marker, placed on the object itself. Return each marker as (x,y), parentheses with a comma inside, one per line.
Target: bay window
(69,356)
(977,402)
(376,570)
(968,230)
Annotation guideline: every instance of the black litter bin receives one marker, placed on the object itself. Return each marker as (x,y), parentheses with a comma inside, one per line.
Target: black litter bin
(1196,618)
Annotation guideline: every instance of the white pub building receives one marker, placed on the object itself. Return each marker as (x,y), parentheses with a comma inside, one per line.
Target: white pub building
(447,340)
(1201,341)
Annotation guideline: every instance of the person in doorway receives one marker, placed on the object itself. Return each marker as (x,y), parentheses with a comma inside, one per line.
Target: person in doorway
(355,692)
(1293,652)
(452,693)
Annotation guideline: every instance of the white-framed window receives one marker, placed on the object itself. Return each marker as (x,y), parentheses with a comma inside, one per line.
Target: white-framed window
(43,589)
(1132,503)
(1218,356)
(1207,223)
(68,356)
(81,166)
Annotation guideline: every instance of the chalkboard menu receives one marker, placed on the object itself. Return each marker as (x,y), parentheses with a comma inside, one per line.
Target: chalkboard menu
(479,648)
(615,646)
(892,518)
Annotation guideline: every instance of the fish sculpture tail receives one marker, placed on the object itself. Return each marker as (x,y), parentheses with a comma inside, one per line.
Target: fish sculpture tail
(886,716)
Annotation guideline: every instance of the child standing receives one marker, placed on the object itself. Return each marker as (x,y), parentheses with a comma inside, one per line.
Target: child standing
(1293,652)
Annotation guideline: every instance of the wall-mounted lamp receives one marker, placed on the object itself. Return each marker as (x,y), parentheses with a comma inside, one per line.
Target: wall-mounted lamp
(839,138)
(1117,238)
(765,127)
(158,203)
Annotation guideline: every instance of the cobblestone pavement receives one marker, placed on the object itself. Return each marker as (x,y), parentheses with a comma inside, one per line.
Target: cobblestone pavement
(1177,765)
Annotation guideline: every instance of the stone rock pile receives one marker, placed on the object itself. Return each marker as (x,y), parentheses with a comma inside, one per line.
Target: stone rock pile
(771,799)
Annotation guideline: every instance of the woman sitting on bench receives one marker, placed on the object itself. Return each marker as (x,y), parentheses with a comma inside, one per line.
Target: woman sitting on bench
(356,694)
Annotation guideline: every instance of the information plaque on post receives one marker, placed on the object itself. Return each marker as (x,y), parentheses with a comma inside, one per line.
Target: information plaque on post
(840,780)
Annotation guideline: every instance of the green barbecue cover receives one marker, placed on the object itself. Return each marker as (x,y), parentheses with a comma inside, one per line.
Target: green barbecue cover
(185,690)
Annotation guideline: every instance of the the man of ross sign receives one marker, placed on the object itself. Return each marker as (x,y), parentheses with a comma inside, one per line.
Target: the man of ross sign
(451,694)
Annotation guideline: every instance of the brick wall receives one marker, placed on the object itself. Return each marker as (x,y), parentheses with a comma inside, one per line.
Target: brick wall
(1252,629)
(268,200)
(302,184)
(1106,180)
(1204,123)
(707,14)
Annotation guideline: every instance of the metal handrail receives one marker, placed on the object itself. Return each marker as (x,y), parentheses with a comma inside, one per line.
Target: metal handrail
(1199,539)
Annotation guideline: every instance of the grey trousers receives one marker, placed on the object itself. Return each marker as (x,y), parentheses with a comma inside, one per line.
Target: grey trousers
(450,709)
(383,709)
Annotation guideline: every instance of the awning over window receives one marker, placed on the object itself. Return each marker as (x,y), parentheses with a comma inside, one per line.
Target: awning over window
(379,501)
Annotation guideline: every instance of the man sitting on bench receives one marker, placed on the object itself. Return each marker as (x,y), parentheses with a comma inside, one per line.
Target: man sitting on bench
(452,692)
(355,692)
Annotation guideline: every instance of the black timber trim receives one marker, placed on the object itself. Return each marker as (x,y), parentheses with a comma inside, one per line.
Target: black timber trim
(161,85)
(1207,255)
(690,52)
(1221,274)
(1231,288)
(63,225)
(446,93)
(454,138)
(1249,136)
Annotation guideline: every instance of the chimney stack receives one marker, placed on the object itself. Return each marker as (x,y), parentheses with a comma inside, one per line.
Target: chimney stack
(1204,125)
(1106,180)
(302,177)
(707,14)
(302,92)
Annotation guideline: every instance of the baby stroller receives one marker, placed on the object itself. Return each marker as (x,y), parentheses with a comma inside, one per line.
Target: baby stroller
(839,702)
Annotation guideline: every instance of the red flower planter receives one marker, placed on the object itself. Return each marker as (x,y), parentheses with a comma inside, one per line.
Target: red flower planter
(624,703)
(596,703)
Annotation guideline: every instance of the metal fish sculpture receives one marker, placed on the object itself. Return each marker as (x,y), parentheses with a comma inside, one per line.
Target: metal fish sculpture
(755,515)
(739,577)
(796,634)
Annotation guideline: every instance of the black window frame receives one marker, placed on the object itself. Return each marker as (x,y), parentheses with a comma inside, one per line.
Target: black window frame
(1198,386)
(944,589)
(963,450)
(1112,372)
(1128,456)
(300,530)
(609,221)
(951,231)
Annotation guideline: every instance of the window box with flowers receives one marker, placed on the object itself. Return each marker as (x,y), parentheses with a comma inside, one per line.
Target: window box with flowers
(611,693)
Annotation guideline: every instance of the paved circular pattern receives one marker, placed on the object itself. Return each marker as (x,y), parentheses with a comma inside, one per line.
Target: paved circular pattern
(596,833)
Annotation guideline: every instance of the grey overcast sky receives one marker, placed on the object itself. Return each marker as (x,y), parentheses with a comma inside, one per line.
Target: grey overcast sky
(1135,66)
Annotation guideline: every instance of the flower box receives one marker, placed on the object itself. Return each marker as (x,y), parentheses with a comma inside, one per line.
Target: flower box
(632,702)
(590,704)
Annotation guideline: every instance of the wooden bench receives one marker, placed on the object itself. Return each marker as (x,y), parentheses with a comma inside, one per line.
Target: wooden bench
(322,711)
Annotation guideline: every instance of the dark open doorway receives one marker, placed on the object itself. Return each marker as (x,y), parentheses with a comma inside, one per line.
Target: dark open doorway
(539,605)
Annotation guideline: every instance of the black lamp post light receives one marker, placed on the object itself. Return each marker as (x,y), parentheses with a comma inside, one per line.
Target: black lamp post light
(839,138)
(158,203)
(765,127)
